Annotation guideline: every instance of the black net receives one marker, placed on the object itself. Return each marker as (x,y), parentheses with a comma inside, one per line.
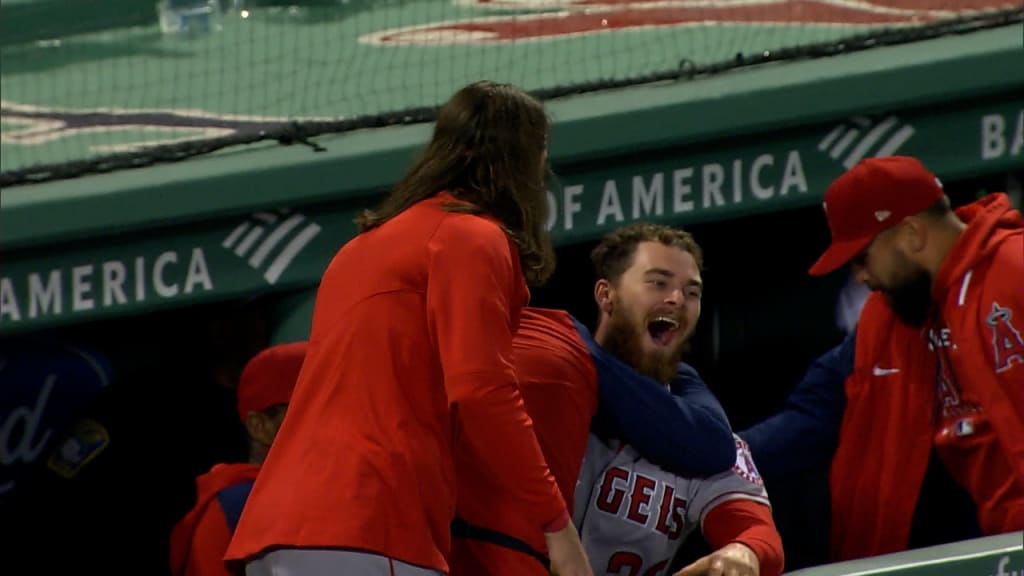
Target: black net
(91,86)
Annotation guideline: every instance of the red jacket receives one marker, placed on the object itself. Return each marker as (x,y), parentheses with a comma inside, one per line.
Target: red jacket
(559,385)
(409,355)
(200,539)
(956,385)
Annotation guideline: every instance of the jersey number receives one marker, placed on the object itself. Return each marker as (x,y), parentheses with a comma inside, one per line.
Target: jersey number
(631,564)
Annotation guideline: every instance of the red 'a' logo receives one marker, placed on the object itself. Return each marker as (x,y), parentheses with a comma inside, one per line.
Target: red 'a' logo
(1006,339)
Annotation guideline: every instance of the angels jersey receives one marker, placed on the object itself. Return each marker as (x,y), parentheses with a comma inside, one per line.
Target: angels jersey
(633,516)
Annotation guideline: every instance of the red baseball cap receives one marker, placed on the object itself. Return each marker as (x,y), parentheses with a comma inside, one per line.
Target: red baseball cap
(874,195)
(269,378)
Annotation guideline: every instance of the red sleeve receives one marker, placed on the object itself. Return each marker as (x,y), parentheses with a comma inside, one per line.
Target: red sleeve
(559,385)
(1001,323)
(471,302)
(1002,320)
(750,523)
(209,544)
(996,377)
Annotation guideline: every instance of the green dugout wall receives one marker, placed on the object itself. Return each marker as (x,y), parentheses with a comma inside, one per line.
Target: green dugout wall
(269,218)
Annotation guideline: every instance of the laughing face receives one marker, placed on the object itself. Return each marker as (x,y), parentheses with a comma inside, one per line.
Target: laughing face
(649,314)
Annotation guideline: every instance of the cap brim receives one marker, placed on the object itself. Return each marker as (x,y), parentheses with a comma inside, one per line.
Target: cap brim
(838,253)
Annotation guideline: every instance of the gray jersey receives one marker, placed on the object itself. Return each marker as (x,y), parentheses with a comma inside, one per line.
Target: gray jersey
(633,516)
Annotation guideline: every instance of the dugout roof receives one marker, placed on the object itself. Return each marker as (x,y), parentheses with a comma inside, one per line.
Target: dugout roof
(266,217)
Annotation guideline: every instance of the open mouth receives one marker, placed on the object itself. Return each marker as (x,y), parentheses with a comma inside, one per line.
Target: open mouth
(663,330)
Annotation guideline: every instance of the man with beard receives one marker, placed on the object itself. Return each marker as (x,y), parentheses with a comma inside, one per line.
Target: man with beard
(650,405)
(632,514)
(934,379)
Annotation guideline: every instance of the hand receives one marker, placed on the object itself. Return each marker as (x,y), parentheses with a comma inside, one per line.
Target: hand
(731,560)
(566,553)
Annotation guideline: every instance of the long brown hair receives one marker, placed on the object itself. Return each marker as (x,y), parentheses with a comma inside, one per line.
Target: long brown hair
(488,149)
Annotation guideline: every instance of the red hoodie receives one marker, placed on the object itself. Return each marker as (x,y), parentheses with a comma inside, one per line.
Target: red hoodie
(956,385)
(200,539)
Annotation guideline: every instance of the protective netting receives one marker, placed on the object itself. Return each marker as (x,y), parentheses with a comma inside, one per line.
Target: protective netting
(93,86)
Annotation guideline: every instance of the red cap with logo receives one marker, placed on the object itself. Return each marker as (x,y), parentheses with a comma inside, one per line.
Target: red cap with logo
(871,197)
(269,378)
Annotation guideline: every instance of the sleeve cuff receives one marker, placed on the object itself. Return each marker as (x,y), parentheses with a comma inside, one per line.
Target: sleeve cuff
(558,523)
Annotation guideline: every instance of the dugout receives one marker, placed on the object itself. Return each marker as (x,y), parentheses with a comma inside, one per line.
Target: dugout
(179,272)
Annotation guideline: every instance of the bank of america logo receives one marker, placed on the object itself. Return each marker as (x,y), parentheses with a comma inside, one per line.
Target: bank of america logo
(861,136)
(259,237)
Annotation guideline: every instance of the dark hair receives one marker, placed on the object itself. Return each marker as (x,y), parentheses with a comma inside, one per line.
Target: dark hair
(939,209)
(487,150)
(614,254)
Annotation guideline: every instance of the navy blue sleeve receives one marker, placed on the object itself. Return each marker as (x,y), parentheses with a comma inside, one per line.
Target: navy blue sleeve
(804,434)
(689,388)
(232,500)
(678,435)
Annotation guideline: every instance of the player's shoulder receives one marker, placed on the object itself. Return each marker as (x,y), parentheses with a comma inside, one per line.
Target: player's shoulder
(1001,283)
(560,320)
(1008,259)
(551,329)
(472,235)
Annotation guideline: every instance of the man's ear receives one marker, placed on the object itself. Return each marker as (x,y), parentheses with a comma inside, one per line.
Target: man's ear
(914,235)
(603,292)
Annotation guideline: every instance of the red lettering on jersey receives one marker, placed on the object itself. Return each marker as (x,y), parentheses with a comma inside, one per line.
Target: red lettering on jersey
(744,466)
(643,489)
(621,561)
(678,509)
(617,484)
(664,509)
(1006,339)
(610,497)
(632,561)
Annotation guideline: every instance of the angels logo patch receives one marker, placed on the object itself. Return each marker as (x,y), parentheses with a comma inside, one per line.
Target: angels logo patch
(1007,343)
(744,466)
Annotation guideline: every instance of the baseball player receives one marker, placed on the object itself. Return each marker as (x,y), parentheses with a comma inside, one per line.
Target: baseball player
(649,293)
(200,539)
(938,364)
(631,514)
